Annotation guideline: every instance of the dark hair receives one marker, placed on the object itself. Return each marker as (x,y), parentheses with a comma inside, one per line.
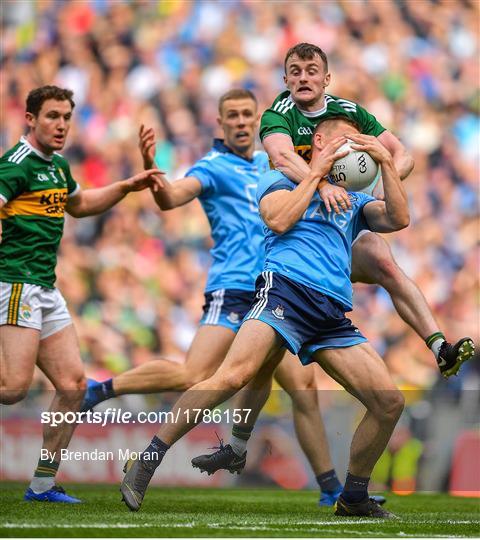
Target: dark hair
(38,96)
(235,93)
(306,51)
(334,119)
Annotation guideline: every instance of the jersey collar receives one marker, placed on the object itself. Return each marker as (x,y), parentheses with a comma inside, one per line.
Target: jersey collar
(314,114)
(40,154)
(220,146)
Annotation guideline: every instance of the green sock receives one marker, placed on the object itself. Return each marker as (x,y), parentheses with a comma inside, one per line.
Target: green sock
(240,436)
(44,475)
(434,342)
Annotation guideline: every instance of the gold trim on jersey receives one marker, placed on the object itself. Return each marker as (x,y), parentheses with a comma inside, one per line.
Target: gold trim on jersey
(47,203)
(14,303)
(304,151)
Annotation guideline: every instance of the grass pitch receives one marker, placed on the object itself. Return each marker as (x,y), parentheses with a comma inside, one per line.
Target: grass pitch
(178,512)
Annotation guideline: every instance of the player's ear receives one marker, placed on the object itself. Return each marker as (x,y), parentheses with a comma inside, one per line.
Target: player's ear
(219,121)
(326,81)
(30,119)
(317,140)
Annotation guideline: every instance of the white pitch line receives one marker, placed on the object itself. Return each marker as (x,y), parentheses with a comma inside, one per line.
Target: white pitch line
(358,521)
(189,525)
(92,525)
(259,526)
(362,532)
(416,535)
(281,524)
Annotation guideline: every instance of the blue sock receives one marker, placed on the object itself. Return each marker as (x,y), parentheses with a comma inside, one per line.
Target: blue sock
(155,452)
(356,488)
(328,482)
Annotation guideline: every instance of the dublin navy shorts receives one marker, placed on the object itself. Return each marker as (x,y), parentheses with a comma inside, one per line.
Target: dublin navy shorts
(226,307)
(305,318)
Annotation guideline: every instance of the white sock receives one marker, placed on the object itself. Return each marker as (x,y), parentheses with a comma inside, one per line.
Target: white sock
(239,446)
(435,346)
(39,485)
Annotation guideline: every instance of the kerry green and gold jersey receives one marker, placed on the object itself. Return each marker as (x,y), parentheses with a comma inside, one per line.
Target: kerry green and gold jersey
(34,188)
(285,117)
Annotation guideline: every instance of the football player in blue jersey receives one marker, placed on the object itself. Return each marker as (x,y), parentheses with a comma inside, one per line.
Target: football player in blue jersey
(225,182)
(284,132)
(301,299)
(286,129)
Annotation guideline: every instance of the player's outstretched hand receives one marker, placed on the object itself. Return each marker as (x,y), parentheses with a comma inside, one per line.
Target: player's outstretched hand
(152,178)
(371,145)
(146,143)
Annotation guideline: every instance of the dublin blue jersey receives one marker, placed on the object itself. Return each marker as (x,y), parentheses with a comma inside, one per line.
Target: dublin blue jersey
(228,197)
(316,251)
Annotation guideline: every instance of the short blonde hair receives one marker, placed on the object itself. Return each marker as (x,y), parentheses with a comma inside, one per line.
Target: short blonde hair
(236,93)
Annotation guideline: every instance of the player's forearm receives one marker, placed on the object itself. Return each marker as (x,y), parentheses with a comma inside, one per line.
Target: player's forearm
(402,159)
(404,163)
(165,197)
(283,210)
(98,200)
(178,193)
(281,152)
(291,165)
(396,200)
(295,167)
(148,162)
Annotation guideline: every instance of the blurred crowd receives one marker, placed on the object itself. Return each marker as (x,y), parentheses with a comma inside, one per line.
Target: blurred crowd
(134,277)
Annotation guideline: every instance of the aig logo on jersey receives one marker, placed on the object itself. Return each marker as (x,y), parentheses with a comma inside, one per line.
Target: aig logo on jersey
(305,130)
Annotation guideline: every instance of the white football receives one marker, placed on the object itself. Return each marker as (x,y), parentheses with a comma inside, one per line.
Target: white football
(357,171)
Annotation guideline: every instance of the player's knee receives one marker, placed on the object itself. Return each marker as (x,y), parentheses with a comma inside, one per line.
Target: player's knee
(309,385)
(13,388)
(304,394)
(73,385)
(9,396)
(304,402)
(378,265)
(392,406)
(235,380)
(389,272)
